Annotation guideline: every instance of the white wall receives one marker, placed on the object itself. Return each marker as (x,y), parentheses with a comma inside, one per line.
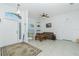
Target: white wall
(35,22)
(8,32)
(32,21)
(43,25)
(8,28)
(32,29)
(66,26)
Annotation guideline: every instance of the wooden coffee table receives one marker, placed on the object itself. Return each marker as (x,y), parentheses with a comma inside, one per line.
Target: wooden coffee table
(41,37)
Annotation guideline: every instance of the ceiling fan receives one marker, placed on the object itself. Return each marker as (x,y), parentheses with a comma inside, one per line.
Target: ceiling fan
(44,15)
(71,3)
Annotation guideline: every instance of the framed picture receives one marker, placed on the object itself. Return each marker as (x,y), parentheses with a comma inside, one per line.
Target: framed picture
(32,25)
(48,25)
(38,25)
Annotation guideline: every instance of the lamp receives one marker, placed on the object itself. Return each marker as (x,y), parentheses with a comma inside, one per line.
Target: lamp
(18,10)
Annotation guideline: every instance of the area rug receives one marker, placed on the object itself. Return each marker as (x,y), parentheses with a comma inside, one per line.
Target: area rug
(20,49)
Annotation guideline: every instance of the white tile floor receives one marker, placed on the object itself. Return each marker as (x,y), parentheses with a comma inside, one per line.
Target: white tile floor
(56,48)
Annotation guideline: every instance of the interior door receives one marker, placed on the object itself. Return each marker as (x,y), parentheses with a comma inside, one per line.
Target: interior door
(8,32)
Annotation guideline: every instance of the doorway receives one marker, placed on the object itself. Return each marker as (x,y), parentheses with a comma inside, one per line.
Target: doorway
(9,32)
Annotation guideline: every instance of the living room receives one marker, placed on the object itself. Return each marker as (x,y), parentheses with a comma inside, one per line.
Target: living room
(61,20)
(62,24)
(34,29)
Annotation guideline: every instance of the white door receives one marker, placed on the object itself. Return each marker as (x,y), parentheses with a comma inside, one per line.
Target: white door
(8,32)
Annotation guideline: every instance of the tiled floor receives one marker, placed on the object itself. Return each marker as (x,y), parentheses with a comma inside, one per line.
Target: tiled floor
(56,48)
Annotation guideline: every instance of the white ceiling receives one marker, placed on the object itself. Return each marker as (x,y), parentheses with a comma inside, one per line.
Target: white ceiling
(52,9)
